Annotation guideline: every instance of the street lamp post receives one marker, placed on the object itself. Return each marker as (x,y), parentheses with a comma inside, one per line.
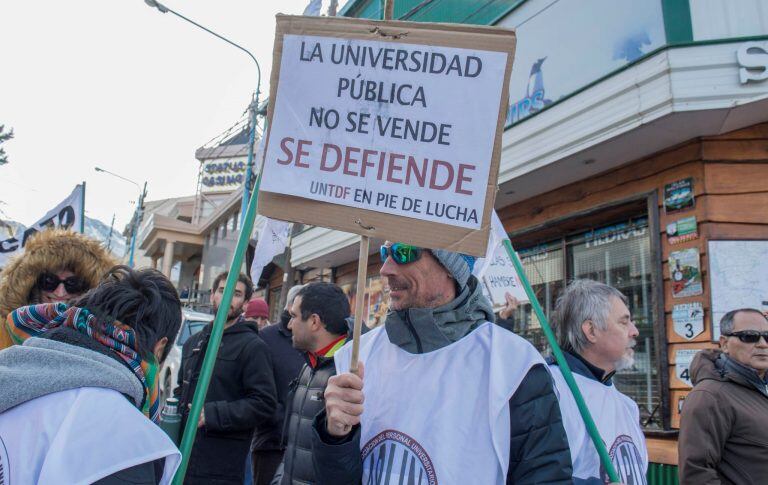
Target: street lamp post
(252,108)
(137,215)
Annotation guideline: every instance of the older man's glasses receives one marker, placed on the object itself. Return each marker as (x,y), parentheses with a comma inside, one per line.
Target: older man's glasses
(749,336)
(73,284)
(401,253)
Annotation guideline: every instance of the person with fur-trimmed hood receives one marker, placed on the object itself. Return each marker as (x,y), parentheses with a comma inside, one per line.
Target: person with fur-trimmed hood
(57,266)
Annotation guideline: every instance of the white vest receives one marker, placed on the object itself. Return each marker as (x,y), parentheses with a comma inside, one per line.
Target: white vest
(79,436)
(618,421)
(440,417)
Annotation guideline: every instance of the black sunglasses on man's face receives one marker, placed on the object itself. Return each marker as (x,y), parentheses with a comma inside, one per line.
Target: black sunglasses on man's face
(748,336)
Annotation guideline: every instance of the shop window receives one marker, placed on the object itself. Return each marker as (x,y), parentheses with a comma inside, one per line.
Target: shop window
(234,221)
(215,236)
(618,255)
(224,230)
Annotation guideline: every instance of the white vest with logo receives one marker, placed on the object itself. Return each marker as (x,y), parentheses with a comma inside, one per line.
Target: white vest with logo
(440,417)
(618,421)
(79,436)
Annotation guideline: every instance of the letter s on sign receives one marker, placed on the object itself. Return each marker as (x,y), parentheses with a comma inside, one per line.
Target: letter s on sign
(753,62)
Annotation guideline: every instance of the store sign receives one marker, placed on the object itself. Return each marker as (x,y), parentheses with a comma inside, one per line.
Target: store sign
(753,62)
(685,273)
(220,175)
(682,230)
(615,233)
(586,47)
(688,320)
(683,359)
(679,195)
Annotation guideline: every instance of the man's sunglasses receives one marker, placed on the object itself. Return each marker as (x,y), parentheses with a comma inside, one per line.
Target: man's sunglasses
(73,284)
(401,253)
(748,336)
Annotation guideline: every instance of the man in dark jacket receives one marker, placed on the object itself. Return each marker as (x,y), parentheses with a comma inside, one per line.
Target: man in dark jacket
(318,322)
(241,394)
(267,446)
(724,420)
(449,396)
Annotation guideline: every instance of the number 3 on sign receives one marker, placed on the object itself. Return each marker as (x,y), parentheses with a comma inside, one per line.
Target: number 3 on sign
(688,320)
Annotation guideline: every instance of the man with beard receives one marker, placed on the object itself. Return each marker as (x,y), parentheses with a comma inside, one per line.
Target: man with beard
(449,396)
(267,446)
(597,334)
(241,394)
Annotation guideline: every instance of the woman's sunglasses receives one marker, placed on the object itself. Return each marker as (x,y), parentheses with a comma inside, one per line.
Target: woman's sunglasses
(748,336)
(401,253)
(73,284)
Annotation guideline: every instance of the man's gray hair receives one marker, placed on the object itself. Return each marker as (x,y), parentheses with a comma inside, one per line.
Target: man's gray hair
(292,294)
(726,323)
(582,300)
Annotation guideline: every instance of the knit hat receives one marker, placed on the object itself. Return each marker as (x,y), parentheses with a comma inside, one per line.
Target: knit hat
(257,308)
(459,265)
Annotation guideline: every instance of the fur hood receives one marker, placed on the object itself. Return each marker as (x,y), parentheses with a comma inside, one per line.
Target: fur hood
(49,251)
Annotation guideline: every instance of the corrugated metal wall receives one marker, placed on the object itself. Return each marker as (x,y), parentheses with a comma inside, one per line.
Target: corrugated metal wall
(662,474)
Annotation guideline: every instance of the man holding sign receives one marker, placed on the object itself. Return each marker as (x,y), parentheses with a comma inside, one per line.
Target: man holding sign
(448,397)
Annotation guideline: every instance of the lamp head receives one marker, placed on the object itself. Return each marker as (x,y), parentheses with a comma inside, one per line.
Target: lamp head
(157,5)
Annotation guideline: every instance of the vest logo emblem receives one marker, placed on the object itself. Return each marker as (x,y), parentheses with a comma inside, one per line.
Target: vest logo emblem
(5,471)
(627,461)
(392,457)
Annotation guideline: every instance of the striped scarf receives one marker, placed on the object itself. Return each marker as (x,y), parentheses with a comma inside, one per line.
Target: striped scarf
(31,321)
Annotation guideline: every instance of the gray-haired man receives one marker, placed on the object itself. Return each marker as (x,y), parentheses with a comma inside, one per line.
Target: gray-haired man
(597,335)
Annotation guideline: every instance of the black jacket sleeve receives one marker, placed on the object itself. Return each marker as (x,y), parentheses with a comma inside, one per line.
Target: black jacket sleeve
(149,473)
(337,461)
(260,401)
(539,451)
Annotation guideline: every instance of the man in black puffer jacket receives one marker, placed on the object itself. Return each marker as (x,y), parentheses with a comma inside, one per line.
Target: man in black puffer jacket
(449,397)
(267,445)
(318,323)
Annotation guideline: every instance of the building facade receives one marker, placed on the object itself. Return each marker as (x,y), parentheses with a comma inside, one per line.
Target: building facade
(635,153)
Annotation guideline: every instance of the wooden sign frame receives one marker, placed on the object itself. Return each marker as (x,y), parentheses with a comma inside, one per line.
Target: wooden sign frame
(373,223)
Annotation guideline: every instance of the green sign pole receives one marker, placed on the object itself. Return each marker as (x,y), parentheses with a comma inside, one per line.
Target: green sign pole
(190,429)
(605,459)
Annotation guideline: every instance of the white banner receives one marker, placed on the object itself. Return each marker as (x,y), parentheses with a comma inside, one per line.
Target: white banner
(68,214)
(402,129)
(496,270)
(273,239)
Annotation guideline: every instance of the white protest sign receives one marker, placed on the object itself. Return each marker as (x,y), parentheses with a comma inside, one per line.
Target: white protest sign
(683,359)
(67,214)
(406,128)
(501,278)
(688,319)
(496,270)
(273,238)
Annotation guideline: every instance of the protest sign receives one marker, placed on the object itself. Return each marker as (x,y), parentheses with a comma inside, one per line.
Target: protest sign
(496,270)
(501,278)
(273,238)
(387,129)
(67,214)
